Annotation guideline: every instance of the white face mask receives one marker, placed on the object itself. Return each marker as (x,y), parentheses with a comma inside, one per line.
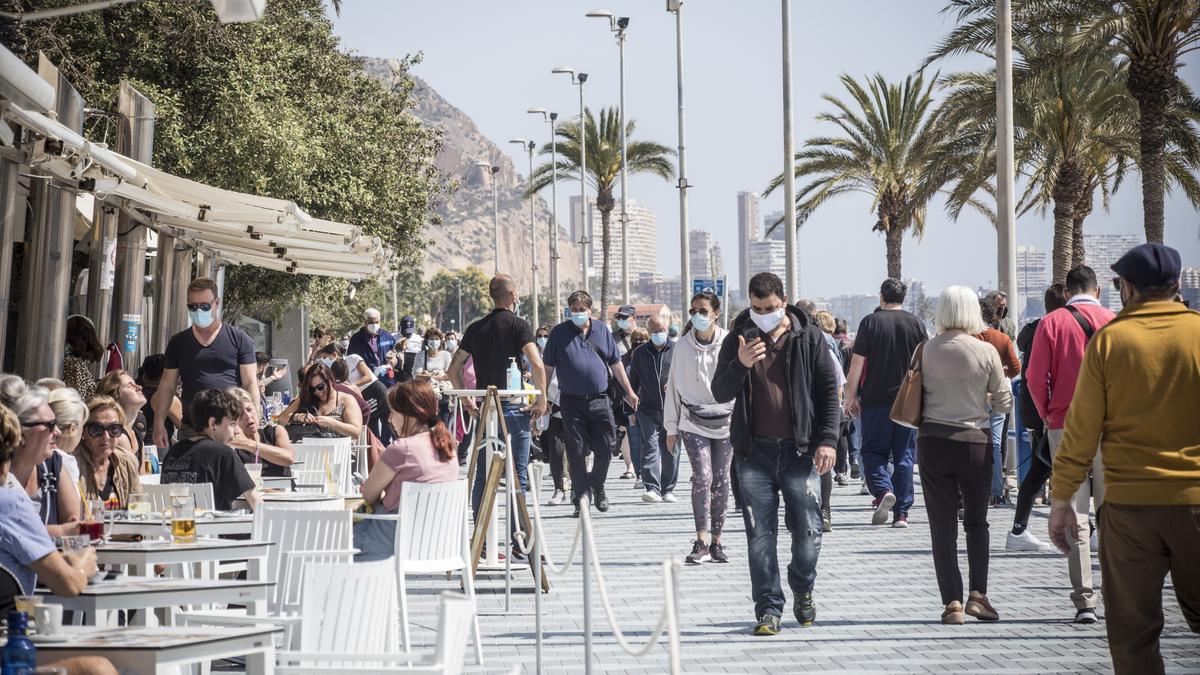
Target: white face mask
(767,322)
(435,344)
(373,328)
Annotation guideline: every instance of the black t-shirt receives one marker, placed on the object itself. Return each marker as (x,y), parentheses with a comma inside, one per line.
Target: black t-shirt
(268,435)
(887,340)
(212,367)
(492,342)
(207,461)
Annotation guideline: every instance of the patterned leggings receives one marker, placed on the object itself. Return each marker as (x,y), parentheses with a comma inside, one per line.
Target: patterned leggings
(710,458)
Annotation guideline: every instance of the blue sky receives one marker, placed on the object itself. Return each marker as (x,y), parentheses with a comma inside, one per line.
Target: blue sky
(493,60)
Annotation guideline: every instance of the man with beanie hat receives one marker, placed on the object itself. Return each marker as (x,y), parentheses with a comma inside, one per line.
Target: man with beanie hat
(1136,400)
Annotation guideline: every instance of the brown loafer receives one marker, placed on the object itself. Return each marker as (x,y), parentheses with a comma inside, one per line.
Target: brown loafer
(952,615)
(979,607)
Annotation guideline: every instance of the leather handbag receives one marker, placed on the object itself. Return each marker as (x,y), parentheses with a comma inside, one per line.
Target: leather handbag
(906,409)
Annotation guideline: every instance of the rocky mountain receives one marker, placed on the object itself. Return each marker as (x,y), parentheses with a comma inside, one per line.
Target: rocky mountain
(465,236)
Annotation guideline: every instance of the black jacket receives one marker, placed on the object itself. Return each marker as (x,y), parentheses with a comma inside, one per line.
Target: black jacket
(1029,413)
(649,368)
(813,376)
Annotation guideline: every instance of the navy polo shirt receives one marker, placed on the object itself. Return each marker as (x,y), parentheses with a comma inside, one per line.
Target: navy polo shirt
(581,370)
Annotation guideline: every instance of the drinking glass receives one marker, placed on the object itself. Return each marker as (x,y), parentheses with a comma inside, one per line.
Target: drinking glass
(183,518)
(139,506)
(75,544)
(255,471)
(93,520)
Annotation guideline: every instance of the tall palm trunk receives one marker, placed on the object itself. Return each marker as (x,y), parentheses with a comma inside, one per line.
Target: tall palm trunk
(1066,192)
(894,236)
(605,204)
(1153,84)
(1083,209)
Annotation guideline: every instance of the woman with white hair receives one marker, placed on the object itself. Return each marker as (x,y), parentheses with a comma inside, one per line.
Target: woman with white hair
(961,378)
(71,413)
(36,468)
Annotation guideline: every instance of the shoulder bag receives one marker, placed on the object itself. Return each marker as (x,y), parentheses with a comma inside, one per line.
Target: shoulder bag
(906,409)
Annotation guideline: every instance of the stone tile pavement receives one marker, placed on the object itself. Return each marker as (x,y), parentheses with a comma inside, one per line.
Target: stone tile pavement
(876,592)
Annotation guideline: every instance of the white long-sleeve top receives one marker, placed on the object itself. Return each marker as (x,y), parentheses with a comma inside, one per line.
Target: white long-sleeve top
(692,367)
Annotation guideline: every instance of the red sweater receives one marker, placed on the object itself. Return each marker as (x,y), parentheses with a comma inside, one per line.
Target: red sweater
(1055,358)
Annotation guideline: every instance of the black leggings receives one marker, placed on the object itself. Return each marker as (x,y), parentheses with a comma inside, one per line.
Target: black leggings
(950,468)
(1039,473)
(555,446)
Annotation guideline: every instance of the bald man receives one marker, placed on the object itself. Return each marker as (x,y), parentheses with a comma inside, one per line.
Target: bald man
(649,367)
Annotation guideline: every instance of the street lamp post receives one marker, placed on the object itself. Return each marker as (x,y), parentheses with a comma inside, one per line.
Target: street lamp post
(584,240)
(676,6)
(1006,227)
(495,208)
(552,117)
(789,153)
(619,25)
(530,145)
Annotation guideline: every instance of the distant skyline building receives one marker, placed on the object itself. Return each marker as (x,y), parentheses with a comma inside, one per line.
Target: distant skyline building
(704,253)
(643,239)
(748,231)
(768,255)
(852,307)
(1100,252)
(1031,271)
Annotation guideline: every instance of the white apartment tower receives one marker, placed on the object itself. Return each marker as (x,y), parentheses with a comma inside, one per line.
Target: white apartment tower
(748,231)
(643,242)
(1100,252)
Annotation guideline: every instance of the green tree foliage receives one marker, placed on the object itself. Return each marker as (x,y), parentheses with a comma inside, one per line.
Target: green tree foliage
(442,298)
(273,107)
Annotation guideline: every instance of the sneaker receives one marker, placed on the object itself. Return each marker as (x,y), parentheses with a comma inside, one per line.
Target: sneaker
(854,472)
(826,523)
(601,500)
(864,490)
(1086,615)
(979,607)
(805,608)
(900,521)
(1025,542)
(518,555)
(700,554)
(717,553)
(841,480)
(1094,542)
(883,508)
(952,615)
(627,475)
(639,485)
(768,624)
(577,509)
(651,497)
(669,498)
(557,498)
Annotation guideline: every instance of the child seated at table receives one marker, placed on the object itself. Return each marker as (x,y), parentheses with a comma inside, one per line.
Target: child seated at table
(207,457)
(423,452)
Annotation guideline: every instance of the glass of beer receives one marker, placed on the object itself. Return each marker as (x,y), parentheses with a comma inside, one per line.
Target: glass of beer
(183,519)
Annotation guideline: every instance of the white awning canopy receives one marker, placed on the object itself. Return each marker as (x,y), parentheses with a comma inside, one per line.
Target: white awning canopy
(81,149)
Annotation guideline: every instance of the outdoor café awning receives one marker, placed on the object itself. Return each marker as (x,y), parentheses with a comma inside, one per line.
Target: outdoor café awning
(84,153)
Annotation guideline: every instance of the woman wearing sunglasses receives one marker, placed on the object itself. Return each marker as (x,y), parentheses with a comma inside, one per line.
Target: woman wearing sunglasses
(268,444)
(105,468)
(322,405)
(122,388)
(36,468)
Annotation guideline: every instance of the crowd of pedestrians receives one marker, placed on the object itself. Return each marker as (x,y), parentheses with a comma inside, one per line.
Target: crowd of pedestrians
(782,405)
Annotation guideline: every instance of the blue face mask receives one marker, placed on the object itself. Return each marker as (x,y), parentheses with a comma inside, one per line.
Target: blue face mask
(579,318)
(659,339)
(541,342)
(201,318)
(623,324)
(701,323)
(451,345)
(327,362)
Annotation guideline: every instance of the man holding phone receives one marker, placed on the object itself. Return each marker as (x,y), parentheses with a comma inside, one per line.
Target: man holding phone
(775,366)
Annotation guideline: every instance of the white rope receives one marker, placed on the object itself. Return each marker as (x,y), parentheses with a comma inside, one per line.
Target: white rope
(537,518)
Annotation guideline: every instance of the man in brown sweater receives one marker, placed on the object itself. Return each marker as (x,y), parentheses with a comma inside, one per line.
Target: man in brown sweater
(1136,399)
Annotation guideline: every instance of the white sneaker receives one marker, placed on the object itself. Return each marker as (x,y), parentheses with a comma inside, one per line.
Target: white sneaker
(864,490)
(639,485)
(669,498)
(651,497)
(1025,542)
(558,498)
(1095,542)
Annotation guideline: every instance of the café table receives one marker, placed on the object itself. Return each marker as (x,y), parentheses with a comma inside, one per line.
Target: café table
(163,650)
(206,526)
(141,593)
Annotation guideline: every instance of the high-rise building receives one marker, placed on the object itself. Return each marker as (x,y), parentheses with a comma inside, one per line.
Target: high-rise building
(1190,277)
(1031,271)
(704,255)
(1100,252)
(852,308)
(747,232)
(768,255)
(643,240)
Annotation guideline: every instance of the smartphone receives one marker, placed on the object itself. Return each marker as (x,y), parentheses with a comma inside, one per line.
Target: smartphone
(751,333)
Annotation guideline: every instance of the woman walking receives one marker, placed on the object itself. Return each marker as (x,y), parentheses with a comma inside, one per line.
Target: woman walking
(691,415)
(962,381)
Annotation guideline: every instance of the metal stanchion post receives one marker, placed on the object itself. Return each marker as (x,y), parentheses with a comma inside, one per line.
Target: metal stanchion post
(585,503)
(510,498)
(535,477)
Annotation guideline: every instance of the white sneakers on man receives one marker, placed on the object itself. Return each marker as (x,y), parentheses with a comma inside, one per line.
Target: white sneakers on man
(669,498)
(651,497)
(557,498)
(1025,542)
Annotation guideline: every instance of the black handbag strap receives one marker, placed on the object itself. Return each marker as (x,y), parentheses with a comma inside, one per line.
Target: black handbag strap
(1088,331)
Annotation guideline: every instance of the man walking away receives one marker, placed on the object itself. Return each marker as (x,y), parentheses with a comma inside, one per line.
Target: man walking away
(883,350)
(1136,400)
(650,365)
(774,364)
(208,355)
(1058,351)
(583,354)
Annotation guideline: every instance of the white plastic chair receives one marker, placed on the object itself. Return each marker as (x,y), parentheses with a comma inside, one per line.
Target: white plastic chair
(455,615)
(432,538)
(317,453)
(149,478)
(160,495)
(315,480)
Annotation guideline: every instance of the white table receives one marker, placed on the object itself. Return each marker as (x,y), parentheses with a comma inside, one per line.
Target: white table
(146,594)
(163,650)
(285,483)
(207,526)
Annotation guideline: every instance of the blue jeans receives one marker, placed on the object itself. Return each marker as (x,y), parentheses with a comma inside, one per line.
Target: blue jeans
(996,421)
(775,467)
(660,469)
(518,431)
(634,433)
(375,539)
(882,441)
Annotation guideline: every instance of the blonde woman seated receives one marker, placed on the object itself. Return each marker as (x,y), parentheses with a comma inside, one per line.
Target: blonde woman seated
(268,445)
(107,470)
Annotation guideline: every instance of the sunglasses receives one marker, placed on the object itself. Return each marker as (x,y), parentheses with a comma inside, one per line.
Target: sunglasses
(199,306)
(49,425)
(317,388)
(96,430)
(701,312)
(1117,283)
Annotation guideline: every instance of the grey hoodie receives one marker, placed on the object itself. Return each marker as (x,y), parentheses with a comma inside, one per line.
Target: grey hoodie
(692,368)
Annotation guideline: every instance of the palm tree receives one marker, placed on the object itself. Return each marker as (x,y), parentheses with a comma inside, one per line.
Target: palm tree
(603,168)
(1151,34)
(885,150)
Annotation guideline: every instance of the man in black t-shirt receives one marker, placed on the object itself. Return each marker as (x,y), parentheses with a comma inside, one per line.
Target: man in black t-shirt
(208,355)
(207,458)
(883,350)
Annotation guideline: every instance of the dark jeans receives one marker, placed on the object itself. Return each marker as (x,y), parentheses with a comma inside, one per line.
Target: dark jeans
(636,445)
(588,427)
(1035,478)
(775,467)
(883,440)
(660,469)
(843,449)
(554,445)
(949,468)
(518,432)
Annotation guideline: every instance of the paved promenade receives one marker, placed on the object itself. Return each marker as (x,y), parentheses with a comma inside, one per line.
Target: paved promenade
(877,601)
